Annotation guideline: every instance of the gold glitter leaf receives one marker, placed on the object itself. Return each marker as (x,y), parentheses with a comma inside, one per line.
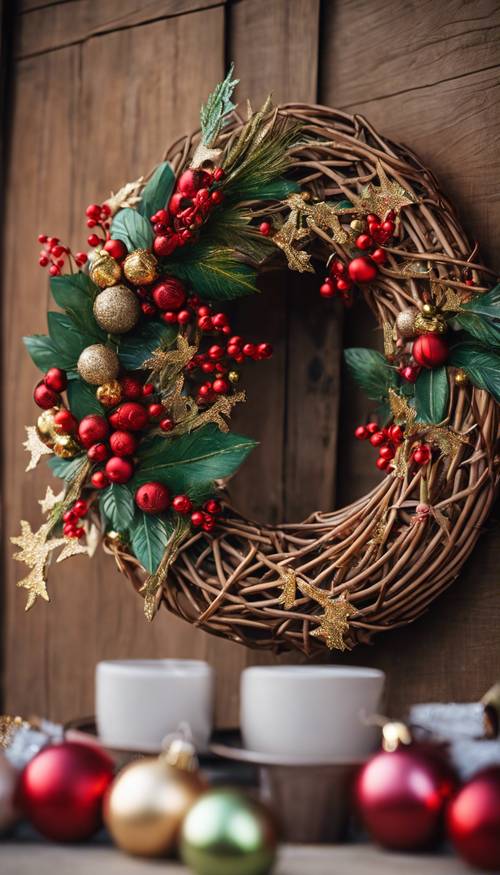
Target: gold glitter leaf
(334,624)
(35,447)
(390,347)
(401,410)
(50,501)
(381,199)
(72,548)
(320,215)
(35,551)
(288,586)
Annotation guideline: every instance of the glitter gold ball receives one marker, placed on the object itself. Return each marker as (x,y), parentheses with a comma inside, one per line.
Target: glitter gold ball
(141,267)
(430,324)
(428,309)
(461,378)
(105,270)
(117,310)
(405,323)
(98,364)
(233,376)
(45,426)
(66,447)
(110,393)
(357,225)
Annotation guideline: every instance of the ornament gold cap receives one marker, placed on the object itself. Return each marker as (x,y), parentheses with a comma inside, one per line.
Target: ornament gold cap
(395,734)
(179,751)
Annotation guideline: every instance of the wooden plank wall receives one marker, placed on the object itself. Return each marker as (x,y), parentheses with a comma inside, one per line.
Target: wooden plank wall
(100,87)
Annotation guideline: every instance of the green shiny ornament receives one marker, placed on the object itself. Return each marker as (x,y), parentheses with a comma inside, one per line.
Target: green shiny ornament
(225,833)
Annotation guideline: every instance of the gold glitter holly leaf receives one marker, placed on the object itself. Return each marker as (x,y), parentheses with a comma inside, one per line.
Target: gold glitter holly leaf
(35,551)
(72,547)
(446,439)
(403,412)
(333,622)
(303,218)
(50,500)
(288,585)
(222,407)
(170,362)
(447,298)
(381,199)
(152,587)
(287,238)
(390,348)
(127,196)
(35,447)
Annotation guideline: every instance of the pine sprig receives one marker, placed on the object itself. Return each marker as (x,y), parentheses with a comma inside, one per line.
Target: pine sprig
(214,112)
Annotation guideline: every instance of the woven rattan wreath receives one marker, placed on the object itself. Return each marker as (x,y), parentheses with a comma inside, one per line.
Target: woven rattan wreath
(339,577)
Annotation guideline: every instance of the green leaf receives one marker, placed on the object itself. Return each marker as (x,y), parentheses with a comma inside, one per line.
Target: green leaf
(481,365)
(341,205)
(75,293)
(278,189)
(432,394)
(156,193)
(67,469)
(132,229)
(218,106)
(137,346)
(371,371)
(480,317)
(118,506)
(215,274)
(68,339)
(149,535)
(43,351)
(192,460)
(82,398)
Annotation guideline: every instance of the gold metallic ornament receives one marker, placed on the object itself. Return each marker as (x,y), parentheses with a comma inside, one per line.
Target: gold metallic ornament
(227,833)
(149,799)
(233,377)
(461,378)
(117,310)
(104,270)
(430,324)
(141,267)
(405,323)
(98,364)
(66,447)
(109,394)
(45,426)
(429,310)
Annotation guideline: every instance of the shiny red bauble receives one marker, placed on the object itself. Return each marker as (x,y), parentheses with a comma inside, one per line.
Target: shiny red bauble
(474,820)
(169,294)
(123,443)
(152,497)
(61,790)
(430,350)
(99,480)
(402,797)
(182,504)
(131,388)
(130,417)
(164,246)
(65,422)
(119,470)
(116,249)
(362,270)
(92,429)
(45,397)
(191,181)
(98,452)
(56,379)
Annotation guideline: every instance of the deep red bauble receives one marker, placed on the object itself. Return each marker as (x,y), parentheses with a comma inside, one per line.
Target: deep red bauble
(362,270)
(123,443)
(169,294)
(92,429)
(116,249)
(56,379)
(131,416)
(99,480)
(152,497)
(65,421)
(119,470)
(45,397)
(474,820)
(191,181)
(430,350)
(402,796)
(131,388)
(164,246)
(98,452)
(61,790)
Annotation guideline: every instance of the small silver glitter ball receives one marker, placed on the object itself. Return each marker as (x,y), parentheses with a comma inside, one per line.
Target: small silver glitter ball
(405,323)
(117,310)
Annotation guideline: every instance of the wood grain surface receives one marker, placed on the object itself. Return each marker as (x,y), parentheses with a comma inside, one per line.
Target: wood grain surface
(100,87)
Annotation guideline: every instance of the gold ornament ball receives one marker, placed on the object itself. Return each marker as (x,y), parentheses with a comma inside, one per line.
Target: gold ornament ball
(141,267)
(117,310)
(405,323)
(109,394)
(358,225)
(45,426)
(225,833)
(98,364)
(430,324)
(147,803)
(104,270)
(428,310)
(461,378)
(66,447)
(233,377)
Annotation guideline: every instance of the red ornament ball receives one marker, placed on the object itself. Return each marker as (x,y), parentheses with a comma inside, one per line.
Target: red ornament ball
(402,796)
(98,452)
(182,504)
(169,294)
(99,480)
(131,388)
(119,470)
(191,181)
(123,443)
(474,820)
(152,497)
(65,422)
(362,270)
(92,429)
(61,790)
(56,379)
(45,397)
(131,416)
(430,350)
(116,249)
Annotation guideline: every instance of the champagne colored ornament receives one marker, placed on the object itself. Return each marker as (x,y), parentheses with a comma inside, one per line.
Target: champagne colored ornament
(430,324)
(474,820)
(233,377)
(66,447)
(141,267)
(117,310)
(149,799)
(109,394)
(104,270)
(405,323)
(45,426)
(98,364)
(461,378)
(225,833)
(9,814)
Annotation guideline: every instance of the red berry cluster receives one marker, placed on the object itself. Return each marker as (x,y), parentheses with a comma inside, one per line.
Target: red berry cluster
(47,392)
(194,198)
(206,519)
(169,300)
(387,440)
(409,373)
(54,254)
(422,454)
(216,361)
(153,497)
(98,216)
(71,518)
(338,281)
(361,269)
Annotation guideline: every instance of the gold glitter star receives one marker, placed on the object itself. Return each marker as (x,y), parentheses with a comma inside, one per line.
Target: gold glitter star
(381,199)
(172,359)
(293,230)
(447,298)
(50,500)
(35,551)
(446,439)
(401,410)
(333,624)
(35,447)
(288,586)
(72,548)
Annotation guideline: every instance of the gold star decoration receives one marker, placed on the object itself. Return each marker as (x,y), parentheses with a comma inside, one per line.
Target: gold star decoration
(333,622)
(72,548)
(171,360)
(288,586)
(303,218)
(381,199)
(35,551)
(390,347)
(35,447)
(447,298)
(50,500)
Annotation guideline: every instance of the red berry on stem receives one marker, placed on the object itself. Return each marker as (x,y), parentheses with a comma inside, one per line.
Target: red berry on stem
(212,506)
(92,429)
(56,379)
(132,416)
(45,397)
(216,352)
(182,504)
(217,197)
(249,350)
(156,410)
(264,350)
(361,433)
(197,518)
(70,516)
(191,181)
(169,317)
(167,424)
(116,249)
(99,480)
(381,463)
(93,211)
(184,317)
(422,455)
(362,270)
(152,497)
(372,427)
(265,228)
(205,323)
(164,246)
(396,434)
(93,240)
(364,241)
(344,285)
(65,422)
(80,508)
(221,386)
(386,452)
(409,373)
(119,470)
(377,438)
(123,443)
(327,290)
(378,256)
(98,452)
(148,389)
(430,350)
(148,309)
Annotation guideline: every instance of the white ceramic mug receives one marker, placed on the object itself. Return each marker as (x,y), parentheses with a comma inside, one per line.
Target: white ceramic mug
(139,701)
(315,713)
